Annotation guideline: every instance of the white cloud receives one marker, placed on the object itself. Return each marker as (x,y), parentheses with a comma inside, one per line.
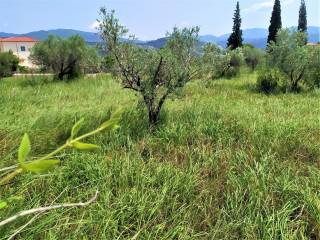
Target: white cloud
(94,25)
(266,5)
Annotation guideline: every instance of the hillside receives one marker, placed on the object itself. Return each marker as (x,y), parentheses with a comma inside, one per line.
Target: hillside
(254,36)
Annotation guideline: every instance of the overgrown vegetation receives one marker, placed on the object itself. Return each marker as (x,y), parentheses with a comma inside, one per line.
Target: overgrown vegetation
(224,163)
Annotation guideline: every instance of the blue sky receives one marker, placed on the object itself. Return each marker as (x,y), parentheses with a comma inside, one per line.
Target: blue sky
(147,19)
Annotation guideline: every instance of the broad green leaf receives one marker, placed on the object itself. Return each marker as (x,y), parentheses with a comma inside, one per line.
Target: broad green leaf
(110,125)
(15,198)
(113,122)
(24,149)
(76,127)
(40,166)
(117,114)
(84,146)
(3,204)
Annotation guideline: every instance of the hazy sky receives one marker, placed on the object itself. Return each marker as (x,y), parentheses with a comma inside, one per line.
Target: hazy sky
(147,19)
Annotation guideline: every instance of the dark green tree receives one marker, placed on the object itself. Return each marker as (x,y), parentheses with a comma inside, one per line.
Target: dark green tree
(275,22)
(8,64)
(302,24)
(235,39)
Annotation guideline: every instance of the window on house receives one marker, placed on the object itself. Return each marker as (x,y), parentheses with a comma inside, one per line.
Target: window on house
(23,48)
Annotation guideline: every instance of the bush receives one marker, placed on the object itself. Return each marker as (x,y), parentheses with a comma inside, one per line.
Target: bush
(268,81)
(252,56)
(221,63)
(8,64)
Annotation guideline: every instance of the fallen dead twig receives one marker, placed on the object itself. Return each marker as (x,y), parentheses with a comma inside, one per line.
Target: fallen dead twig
(49,208)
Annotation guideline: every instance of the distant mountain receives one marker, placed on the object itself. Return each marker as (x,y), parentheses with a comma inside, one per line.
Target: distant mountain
(254,36)
(258,37)
(43,34)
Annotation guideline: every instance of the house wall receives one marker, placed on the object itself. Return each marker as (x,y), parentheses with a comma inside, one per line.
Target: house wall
(17,49)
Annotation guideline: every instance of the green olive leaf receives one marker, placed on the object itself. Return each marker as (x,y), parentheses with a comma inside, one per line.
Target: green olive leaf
(39,166)
(3,204)
(76,128)
(24,149)
(113,122)
(85,146)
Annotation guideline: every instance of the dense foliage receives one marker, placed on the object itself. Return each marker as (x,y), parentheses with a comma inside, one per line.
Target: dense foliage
(252,56)
(8,64)
(235,40)
(218,62)
(154,74)
(290,56)
(275,22)
(64,57)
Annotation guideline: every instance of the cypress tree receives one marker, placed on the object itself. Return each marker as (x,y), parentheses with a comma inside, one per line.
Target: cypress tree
(275,22)
(235,39)
(302,25)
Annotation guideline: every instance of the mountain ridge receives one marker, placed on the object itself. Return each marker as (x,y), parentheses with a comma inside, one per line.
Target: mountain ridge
(254,36)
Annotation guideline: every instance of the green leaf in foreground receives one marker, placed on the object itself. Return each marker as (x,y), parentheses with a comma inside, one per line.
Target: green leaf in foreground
(40,166)
(24,149)
(113,122)
(85,146)
(76,127)
(3,204)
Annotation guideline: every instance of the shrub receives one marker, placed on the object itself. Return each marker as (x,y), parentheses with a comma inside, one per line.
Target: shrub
(108,63)
(268,81)
(65,57)
(252,56)
(221,63)
(8,64)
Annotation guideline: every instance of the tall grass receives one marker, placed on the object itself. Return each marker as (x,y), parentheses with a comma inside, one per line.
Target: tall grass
(224,163)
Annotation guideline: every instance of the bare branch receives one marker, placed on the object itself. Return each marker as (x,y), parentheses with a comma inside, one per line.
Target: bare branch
(49,208)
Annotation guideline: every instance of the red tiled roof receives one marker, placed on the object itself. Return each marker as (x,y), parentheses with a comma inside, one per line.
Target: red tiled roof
(18,39)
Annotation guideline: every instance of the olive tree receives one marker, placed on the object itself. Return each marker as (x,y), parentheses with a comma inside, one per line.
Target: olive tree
(65,57)
(252,56)
(153,73)
(313,69)
(218,62)
(290,56)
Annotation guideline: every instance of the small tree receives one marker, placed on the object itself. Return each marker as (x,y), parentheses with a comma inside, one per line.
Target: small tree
(218,62)
(235,40)
(65,57)
(313,69)
(8,64)
(252,56)
(275,22)
(154,74)
(290,56)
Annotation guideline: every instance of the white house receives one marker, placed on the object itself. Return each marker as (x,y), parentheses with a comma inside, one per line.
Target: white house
(20,46)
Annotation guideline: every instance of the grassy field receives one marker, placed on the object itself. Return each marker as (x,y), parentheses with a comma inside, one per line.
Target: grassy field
(224,163)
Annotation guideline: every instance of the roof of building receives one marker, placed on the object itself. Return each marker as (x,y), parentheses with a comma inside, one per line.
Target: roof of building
(18,39)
